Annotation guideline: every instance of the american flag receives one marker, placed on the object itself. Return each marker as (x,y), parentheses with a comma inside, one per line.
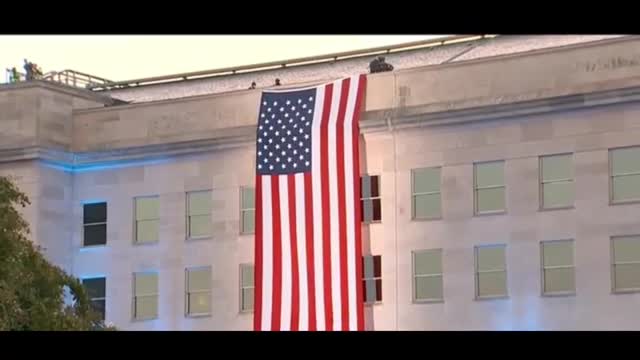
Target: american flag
(308,258)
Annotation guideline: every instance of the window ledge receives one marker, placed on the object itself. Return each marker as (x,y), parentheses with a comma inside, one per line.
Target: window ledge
(624,202)
(572,207)
(373,304)
(146,243)
(426,219)
(490,213)
(489,298)
(558,294)
(92,247)
(195,316)
(423,302)
(199,238)
(245,312)
(625,291)
(371,222)
(138,320)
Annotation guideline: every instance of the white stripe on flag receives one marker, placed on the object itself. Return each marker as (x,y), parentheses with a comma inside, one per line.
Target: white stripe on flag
(317,210)
(301,231)
(349,194)
(334,215)
(285,310)
(267,253)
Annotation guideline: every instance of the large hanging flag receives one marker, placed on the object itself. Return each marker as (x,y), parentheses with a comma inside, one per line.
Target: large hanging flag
(308,254)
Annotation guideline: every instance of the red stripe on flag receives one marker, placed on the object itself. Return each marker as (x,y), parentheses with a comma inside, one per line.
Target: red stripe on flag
(277,253)
(356,183)
(342,235)
(257,301)
(295,285)
(326,209)
(311,285)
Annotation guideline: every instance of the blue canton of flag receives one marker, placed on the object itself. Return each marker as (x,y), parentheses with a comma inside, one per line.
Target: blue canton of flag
(284,132)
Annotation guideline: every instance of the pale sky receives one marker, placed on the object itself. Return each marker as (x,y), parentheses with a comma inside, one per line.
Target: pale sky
(125,57)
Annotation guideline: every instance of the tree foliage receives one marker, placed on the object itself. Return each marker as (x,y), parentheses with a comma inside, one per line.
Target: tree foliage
(32,290)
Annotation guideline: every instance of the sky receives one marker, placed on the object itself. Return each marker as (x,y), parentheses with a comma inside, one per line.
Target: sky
(125,57)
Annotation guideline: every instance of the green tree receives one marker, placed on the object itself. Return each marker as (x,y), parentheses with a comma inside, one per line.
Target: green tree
(32,290)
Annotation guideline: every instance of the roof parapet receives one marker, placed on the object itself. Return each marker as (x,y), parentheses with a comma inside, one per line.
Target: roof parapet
(287,63)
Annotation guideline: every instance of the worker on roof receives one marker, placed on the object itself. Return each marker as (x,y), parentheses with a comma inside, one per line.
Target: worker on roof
(28,68)
(15,75)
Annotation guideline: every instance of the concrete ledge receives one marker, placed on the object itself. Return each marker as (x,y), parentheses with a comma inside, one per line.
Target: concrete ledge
(405,118)
(60,88)
(165,150)
(379,121)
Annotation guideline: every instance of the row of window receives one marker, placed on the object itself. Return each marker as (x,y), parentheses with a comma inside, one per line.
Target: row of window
(147,218)
(557,269)
(556,190)
(197,292)
(556,184)
(490,268)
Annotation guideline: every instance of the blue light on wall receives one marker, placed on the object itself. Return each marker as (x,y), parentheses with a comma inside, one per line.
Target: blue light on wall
(92,201)
(93,248)
(92,276)
(104,165)
(118,165)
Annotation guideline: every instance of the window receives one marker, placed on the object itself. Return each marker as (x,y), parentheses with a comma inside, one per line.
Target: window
(198,291)
(246,287)
(625,174)
(94,224)
(147,219)
(145,298)
(489,187)
(626,263)
(558,273)
(427,275)
(247,210)
(199,214)
(96,289)
(491,272)
(372,281)
(556,185)
(425,193)
(370,198)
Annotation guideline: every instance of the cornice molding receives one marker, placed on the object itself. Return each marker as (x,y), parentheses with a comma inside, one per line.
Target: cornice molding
(402,118)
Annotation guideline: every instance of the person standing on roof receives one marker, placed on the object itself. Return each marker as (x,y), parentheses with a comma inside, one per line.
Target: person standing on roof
(37,72)
(28,68)
(15,75)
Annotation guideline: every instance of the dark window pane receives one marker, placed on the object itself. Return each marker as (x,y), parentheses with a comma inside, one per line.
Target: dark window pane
(95,287)
(95,213)
(364,290)
(377,266)
(375,186)
(377,210)
(99,307)
(379,290)
(95,235)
